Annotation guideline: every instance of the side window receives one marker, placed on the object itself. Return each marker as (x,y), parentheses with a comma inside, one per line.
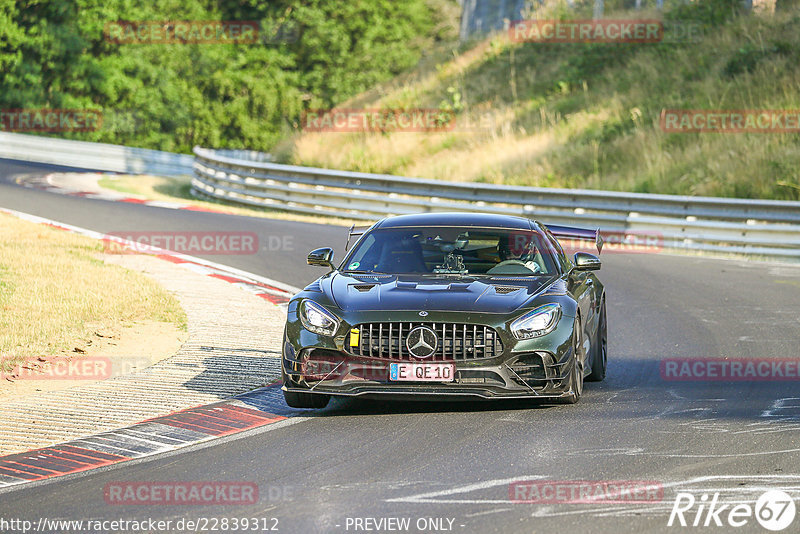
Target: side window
(365,257)
(565,262)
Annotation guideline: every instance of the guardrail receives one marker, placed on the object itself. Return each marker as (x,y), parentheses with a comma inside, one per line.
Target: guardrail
(95,156)
(739,226)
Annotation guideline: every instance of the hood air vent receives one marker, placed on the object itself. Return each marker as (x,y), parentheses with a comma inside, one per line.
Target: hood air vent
(314,286)
(363,288)
(505,290)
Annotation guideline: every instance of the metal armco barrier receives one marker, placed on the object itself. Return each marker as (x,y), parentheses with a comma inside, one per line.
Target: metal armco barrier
(740,226)
(95,156)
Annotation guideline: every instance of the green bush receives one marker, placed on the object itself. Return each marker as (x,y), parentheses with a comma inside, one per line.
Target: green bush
(54,54)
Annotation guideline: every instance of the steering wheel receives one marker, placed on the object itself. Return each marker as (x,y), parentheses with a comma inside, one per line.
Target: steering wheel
(515,263)
(510,262)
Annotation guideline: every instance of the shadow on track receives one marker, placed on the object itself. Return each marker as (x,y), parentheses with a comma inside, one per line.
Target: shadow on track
(632,389)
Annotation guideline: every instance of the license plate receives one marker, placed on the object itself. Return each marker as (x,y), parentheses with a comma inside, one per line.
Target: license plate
(422,372)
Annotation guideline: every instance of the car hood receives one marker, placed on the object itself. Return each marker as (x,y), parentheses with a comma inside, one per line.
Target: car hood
(408,292)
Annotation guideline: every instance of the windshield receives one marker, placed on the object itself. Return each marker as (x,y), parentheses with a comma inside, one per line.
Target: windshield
(452,250)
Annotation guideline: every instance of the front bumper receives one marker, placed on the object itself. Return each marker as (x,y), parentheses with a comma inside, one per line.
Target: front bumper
(539,375)
(537,368)
(428,393)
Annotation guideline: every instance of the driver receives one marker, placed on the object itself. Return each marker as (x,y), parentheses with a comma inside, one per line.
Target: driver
(505,253)
(504,250)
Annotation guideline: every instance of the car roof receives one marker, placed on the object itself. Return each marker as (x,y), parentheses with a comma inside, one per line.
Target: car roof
(486,220)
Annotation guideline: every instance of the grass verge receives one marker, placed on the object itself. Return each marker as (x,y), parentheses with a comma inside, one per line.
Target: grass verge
(588,115)
(56,292)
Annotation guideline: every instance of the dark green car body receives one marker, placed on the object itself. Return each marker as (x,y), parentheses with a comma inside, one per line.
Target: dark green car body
(470,315)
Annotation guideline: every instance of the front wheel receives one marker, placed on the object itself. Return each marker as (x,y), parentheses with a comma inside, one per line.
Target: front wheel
(576,373)
(600,348)
(305,400)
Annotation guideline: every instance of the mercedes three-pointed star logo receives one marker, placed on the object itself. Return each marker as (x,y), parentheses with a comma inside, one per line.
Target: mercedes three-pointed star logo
(422,342)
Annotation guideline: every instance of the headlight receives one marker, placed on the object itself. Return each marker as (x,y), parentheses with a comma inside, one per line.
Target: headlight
(536,322)
(317,319)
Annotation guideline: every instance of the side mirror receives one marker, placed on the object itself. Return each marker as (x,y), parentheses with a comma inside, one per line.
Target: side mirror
(322,257)
(586,262)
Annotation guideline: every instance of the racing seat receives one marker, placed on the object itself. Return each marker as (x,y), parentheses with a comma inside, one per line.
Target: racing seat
(402,256)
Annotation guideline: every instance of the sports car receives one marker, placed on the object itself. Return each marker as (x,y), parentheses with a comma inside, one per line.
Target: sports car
(451,306)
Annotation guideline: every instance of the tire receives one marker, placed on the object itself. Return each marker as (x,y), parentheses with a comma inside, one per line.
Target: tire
(576,373)
(600,348)
(305,400)
(300,400)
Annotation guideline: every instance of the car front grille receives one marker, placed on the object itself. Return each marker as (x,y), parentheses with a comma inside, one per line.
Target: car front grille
(457,342)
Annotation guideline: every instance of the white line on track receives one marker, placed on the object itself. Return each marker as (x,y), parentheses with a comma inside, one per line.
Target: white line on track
(192,262)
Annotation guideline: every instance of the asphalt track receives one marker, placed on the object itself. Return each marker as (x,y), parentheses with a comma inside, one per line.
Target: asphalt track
(357,460)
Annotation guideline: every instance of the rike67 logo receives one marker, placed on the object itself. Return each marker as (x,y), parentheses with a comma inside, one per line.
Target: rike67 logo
(774,510)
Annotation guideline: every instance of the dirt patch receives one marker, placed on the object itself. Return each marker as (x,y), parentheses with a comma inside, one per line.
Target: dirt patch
(107,353)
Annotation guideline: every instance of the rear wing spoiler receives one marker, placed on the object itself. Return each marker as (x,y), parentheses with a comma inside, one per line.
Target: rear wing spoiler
(572,232)
(355,231)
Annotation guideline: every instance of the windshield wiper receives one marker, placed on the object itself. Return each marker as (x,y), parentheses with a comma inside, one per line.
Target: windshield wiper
(351,271)
(447,274)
